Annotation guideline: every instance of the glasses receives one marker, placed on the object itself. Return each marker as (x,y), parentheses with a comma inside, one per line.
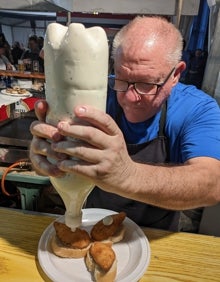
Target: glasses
(141,88)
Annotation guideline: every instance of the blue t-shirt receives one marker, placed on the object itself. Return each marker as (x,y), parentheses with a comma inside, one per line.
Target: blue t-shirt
(192,124)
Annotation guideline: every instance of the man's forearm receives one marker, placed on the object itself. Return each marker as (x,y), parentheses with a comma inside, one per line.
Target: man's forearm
(176,187)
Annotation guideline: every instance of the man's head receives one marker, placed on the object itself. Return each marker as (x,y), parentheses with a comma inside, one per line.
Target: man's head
(2,37)
(2,49)
(33,43)
(147,50)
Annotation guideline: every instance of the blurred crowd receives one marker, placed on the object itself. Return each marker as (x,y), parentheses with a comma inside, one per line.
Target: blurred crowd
(29,56)
(195,67)
(32,59)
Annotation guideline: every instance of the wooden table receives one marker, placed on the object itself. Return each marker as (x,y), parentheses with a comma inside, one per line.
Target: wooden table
(174,256)
(30,75)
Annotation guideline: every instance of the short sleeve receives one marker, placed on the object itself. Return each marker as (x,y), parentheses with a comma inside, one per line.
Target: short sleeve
(201,132)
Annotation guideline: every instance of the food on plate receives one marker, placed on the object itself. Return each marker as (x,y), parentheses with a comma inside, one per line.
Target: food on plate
(101,262)
(76,71)
(97,250)
(16,87)
(16,90)
(70,244)
(110,228)
(8,90)
(22,91)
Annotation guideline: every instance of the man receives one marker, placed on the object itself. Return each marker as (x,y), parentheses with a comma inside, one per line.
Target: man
(158,150)
(31,55)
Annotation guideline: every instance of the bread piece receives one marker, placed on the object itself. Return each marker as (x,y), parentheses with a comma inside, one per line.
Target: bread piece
(8,90)
(60,250)
(109,228)
(101,262)
(16,87)
(70,244)
(22,91)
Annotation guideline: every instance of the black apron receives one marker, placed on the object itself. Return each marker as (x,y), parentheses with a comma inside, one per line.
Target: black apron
(154,151)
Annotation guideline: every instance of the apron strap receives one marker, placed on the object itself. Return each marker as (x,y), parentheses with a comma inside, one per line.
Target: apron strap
(162,124)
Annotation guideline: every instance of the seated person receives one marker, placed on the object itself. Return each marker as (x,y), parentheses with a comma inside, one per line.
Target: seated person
(33,52)
(4,61)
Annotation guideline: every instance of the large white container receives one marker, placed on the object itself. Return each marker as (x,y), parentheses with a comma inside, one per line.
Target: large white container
(76,70)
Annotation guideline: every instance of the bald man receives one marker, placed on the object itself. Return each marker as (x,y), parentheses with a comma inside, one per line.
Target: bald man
(157,149)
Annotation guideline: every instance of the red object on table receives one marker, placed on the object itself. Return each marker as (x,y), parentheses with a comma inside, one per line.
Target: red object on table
(28,105)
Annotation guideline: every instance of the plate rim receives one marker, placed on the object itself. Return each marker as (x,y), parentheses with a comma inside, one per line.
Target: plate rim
(101,213)
(28,94)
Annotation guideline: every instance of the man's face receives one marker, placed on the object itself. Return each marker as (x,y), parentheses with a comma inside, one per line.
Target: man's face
(32,44)
(2,50)
(136,107)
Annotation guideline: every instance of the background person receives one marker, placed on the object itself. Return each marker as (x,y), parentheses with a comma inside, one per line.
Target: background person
(32,53)
(7,52)
(16,52)
(5,64)
(196,69)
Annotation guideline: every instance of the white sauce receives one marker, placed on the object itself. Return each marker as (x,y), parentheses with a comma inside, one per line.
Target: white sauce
(108,220)
(76,70)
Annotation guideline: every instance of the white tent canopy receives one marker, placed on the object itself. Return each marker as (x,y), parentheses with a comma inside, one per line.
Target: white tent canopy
(30,5)
(18,28)
(168,7)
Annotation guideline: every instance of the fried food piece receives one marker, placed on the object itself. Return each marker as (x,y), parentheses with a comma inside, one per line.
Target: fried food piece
(108,227)
(78,239)
(16,87)
(22,91)
(101,262)
(8,90)
(103,255)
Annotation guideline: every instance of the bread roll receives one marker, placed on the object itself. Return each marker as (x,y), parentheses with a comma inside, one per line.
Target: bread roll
(110,228)
(70,244)
(101,262)
(63,251)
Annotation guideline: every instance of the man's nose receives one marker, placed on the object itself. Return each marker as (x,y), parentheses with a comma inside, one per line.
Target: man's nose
(132,95)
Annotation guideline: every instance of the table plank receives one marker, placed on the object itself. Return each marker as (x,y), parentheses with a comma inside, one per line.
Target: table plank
(19,237)
(182,257)
(22,74)
(174,256)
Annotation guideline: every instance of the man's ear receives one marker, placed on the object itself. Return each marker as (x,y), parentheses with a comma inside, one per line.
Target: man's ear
(180,67)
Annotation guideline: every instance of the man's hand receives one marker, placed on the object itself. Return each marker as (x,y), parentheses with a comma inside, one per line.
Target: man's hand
(98,150)
(40,147)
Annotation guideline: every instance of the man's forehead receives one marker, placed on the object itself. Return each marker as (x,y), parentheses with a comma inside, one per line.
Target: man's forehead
(139,51)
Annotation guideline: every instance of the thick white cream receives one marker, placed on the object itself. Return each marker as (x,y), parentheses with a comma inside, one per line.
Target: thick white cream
(76,70)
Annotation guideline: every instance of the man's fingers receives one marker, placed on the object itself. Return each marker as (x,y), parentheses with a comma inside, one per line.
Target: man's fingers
(44,130)
(42,147)
(97,118)
(79,150)
(43,167)
(41,108)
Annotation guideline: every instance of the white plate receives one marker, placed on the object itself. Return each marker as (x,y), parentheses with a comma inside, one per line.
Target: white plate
(133,252)
(27,94)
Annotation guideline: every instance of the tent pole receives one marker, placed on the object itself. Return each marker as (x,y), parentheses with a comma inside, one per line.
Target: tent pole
(68,18)
(178,12)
